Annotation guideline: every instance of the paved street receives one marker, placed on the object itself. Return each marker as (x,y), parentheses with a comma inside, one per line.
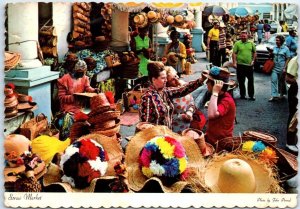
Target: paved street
(251,115)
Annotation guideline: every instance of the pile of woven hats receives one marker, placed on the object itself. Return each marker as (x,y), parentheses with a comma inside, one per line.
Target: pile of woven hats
(10,101)
(26,103)
(81,34)
(11,60)
(130,64)
(79,127)
(103,117)
(106,12)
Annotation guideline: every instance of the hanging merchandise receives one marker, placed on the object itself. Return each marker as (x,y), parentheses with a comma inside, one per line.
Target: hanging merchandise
(106,12)
(81,34)
(141,20)
(153,17)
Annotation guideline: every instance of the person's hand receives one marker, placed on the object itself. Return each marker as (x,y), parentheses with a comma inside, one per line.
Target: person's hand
(218,86)
(234,65)
(187,116)
(252,63)
(203,77)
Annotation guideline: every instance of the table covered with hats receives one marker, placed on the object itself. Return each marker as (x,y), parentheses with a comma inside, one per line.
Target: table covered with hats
(154,160)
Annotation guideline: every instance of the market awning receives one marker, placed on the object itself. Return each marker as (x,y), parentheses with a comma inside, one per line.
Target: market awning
(137,7)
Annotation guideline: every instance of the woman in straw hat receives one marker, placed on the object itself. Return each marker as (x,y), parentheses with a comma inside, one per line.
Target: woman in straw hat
(184,106)
(177,49)
(156,103)
(141,44)
(221,108)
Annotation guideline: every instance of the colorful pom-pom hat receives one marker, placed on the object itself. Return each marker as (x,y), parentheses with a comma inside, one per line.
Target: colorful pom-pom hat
(151,158)
(239,173)
(53,179)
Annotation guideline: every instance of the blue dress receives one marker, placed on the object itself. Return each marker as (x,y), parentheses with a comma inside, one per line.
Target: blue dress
(260,28)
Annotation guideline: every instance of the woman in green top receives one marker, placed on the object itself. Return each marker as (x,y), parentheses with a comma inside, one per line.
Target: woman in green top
(141,45)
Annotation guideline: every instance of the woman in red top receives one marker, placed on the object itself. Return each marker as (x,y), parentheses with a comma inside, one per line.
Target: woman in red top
(221,108)
(73,82)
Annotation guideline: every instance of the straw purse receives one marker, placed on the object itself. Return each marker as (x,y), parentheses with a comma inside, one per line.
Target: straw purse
(33,127)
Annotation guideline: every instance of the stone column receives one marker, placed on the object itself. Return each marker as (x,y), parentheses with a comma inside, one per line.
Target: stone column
(120,34)
(23,32)
(197,32)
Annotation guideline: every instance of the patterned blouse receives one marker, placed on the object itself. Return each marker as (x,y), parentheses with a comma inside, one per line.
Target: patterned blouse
(157,108)
(181,106)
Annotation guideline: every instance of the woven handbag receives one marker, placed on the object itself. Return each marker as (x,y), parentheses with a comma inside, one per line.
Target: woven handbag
(33,127)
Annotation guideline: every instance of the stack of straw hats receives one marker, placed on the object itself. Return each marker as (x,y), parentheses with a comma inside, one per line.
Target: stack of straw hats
(103,117)
(25,103)
(11,60)
(10,102)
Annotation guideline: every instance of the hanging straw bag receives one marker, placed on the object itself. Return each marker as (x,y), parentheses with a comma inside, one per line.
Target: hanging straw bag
(33,127)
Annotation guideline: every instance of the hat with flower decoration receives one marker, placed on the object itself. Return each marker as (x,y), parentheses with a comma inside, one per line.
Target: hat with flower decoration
(160,157)
(85,162)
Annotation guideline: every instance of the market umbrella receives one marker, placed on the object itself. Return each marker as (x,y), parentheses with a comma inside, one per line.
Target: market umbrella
(240,11)
(214,10)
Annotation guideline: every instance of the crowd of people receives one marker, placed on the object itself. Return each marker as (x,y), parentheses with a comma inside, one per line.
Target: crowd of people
(168,101)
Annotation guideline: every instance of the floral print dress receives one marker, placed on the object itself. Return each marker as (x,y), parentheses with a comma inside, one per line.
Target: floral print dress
(181,106)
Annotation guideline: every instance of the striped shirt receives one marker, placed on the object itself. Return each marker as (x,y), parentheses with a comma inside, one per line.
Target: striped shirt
(222,40)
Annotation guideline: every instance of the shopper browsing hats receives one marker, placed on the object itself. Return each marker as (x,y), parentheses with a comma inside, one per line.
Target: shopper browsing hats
(184,106)
(156,103)
(243,57)
(221,108)
(74,82)
(176,52)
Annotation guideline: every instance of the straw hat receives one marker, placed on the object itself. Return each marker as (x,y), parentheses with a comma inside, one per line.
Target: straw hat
(152,17)
(114,153)
(172,59)
(108,132)
(106,116)
(217,73)
(178,19)
(234,173)
(11,60)
(197,135)
(99,101)
(285,163)
(14,146)
(143,126)
(137,180)
(26,106)
(170,19)
(141,20)
(266,137)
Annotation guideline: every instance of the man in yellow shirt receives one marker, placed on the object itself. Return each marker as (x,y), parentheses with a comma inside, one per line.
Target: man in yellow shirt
(213,43)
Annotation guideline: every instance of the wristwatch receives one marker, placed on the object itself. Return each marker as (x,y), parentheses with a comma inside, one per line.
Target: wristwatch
(215,94)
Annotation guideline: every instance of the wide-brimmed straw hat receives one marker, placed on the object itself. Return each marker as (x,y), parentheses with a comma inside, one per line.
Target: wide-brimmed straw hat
(218,73)
(172,59)
(141,20)
(114,152)
(138,181)
(170,19)
(237,173)
(179,20)
(11,60)
(286,162)
(153,16)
